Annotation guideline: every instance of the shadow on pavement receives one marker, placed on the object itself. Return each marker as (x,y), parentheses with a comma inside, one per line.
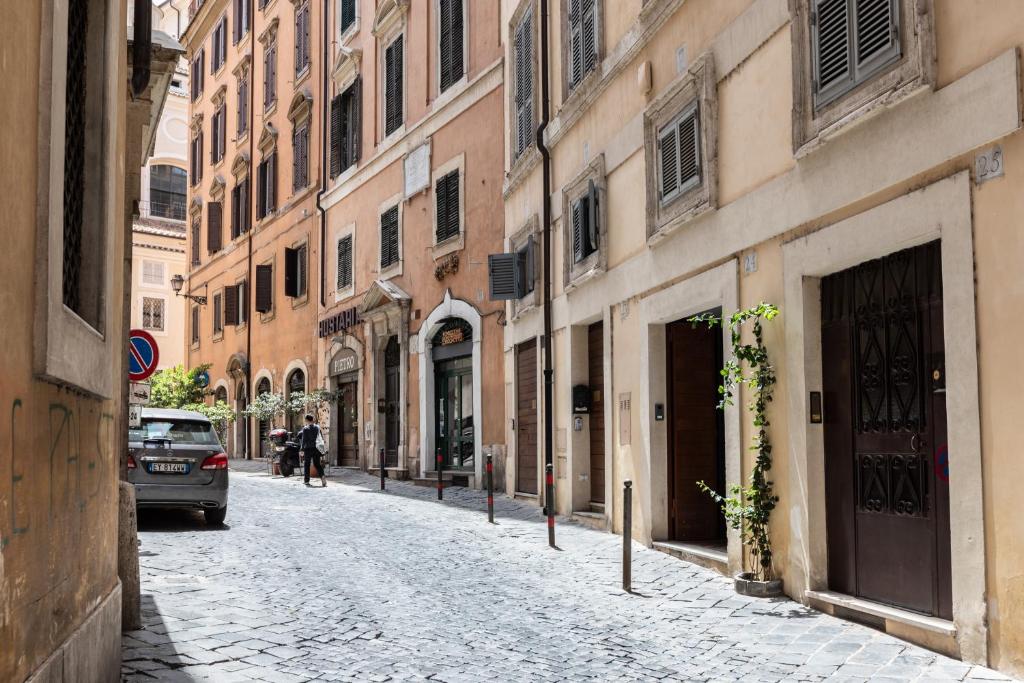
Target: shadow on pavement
(155,519)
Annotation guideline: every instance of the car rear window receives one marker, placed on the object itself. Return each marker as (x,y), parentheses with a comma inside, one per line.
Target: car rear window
(188,432)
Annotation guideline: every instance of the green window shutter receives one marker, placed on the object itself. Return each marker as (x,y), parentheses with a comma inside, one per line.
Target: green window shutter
(502,279)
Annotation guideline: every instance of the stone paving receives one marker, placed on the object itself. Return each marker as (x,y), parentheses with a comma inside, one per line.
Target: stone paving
(350,584)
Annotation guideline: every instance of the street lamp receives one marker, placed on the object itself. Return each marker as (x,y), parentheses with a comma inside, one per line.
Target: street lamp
(177,282)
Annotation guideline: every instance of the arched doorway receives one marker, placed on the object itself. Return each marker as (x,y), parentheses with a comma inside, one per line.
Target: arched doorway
(263,387)
(452,354)
(220,395)
(295,384)
(344,382)
(241,422)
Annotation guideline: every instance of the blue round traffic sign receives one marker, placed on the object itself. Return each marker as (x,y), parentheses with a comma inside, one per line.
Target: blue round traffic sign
(143,355)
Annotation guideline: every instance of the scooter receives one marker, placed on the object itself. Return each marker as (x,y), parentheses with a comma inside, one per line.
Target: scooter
(285,451)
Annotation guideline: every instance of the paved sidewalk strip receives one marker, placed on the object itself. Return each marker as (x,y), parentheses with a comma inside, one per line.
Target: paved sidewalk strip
(349,583)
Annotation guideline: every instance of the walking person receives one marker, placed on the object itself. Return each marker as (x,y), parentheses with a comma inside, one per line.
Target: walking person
(311,441)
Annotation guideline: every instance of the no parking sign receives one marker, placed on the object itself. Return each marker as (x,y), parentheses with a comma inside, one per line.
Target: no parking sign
(143,355)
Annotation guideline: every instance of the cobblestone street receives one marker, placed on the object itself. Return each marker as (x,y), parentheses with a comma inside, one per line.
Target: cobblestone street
(347,583)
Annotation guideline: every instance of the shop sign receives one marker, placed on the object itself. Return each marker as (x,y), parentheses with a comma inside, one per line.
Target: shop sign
(345,363)
(453,336)
(339,322)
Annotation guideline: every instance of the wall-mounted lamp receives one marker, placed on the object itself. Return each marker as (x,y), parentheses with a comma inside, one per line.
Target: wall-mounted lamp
(177,282)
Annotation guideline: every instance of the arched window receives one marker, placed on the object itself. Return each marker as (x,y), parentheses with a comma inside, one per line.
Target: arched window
(220,395)
(263,387)
(167,189)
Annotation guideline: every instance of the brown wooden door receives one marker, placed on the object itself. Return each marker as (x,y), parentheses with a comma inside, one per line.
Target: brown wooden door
(887,491)
(348,408)
(595,365)
(696,439)
(526,417)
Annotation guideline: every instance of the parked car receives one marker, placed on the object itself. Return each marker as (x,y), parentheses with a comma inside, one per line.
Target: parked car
(176,460)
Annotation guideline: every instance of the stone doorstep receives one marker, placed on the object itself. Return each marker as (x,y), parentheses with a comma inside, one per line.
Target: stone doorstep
(594,520)
(695,554)
(395,473)
(887,613)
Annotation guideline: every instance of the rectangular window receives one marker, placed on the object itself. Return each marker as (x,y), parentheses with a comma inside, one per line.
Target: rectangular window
(851,41)
(196,162)
(214,227)
(264,288)
(300,156)
(295,277)
(345,128)
(584,225)
(679,160)
(218,313)
(393,74)
(348,14)
(301,38)
(242,124)
(219,45)
(344,262)
(266,188)
(152,314)
(231,305)
(269,75)
(242,291)
(526,272)
(522,53)
(446,193)
(218,131)
(582,54)
(195,326)
(389,243)
(240,208)
(153,273)
(196,74)
(450,39)
(241,19)
(194,240)
(167,191)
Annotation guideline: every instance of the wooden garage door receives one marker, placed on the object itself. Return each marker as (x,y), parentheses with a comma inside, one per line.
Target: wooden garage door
(526,417)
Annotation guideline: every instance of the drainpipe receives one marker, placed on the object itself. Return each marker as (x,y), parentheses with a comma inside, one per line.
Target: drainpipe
(549,372)
(250,293)
(323,157)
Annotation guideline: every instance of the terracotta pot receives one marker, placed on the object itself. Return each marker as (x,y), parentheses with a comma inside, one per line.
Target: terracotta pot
(746,584)
(277,469)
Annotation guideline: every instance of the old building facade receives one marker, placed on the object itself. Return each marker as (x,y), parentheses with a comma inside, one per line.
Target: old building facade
(253,235)
(850,162)
(408,336)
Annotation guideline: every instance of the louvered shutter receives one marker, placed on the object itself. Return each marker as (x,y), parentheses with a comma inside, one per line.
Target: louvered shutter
(830,29)
(355,119)
(501,275)
(579,219)
(298,40)
(441,201)
(195,324)
(199,157)
(877,31)
(214,226)
(445,43)
(345,262)
(264,288)
(592,214)
(589,33)
(231,305)
(389,237)
(243,302)
(246,210)
(337,117)
(669,146)
(689,150)
(296,160)
(236,30)
(575,42)
(272,183)
(266,77)
(393,87)
(202,69)
(448,209)
(524,84)
(457,62)
(291,272)
(261,190)
(236,223)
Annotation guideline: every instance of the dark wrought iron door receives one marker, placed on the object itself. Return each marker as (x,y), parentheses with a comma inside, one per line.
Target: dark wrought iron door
(885,431)
(392,401)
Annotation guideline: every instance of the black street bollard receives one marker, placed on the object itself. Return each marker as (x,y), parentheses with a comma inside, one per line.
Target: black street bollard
(440,484)
(627,537)
(549,502)
(490,490)
(382,469)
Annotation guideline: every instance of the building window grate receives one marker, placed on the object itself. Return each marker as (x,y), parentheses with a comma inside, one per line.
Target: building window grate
(74,151)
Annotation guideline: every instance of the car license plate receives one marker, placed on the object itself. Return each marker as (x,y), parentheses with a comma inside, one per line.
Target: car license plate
(168,467)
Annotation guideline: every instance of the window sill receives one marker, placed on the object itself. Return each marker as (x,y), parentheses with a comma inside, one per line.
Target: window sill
(521,169)
(241,44)
(267,317)
(342,294)
(300,301)
(393,270)
(349,32)
(268,110)
(584,272)
(580,96)
(270,4)
(194,346)
(449,246)
(302,76)
(218,337)
(684,209)
(241,138)
(392,138)
(449,94)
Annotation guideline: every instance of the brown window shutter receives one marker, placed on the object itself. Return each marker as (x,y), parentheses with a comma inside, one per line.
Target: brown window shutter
(337,116)
(231,305)
(214,227)
(356,119)
(291,272)
(264,288)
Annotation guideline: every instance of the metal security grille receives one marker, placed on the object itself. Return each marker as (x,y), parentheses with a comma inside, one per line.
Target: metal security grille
(153,314)
(74,151)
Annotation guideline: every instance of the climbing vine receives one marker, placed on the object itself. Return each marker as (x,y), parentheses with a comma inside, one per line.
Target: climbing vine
(748,508)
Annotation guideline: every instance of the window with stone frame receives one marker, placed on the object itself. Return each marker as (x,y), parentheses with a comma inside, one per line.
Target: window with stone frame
(302,48)
(523,107)
(218,313)
(196,155)
(393,86)
(448,201)
(296,271)
(195,326)
(581,40)
(346,128)
(300,156)
(241,20)
(390,238)
(266,185)
(195,238)
(240,216)
(153,313)
(219,45)
(242,107)
(196,74)
(269,75)
(344,263)
(680,146)
(153,273)
(525,244)
(347,15)
(450,38)
(585,223)
(849,55)
(218,134)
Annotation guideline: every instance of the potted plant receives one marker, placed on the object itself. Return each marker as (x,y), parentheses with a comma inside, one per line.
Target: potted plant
(747,509)
(317,403)
(267,407)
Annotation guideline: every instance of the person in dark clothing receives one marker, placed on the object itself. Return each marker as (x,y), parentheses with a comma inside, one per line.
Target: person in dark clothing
(307,438)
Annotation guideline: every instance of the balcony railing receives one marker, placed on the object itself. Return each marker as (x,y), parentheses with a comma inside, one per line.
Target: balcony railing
(174,210)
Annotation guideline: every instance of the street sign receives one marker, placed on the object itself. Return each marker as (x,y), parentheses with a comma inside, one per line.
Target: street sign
(134,416)
(138,393)
(143,355)
(203,379)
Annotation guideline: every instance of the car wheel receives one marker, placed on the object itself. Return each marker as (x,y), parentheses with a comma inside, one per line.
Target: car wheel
(215,516)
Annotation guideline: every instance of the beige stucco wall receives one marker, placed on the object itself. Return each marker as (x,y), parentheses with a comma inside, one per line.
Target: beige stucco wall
(170,252)
(767,198)
(58,445)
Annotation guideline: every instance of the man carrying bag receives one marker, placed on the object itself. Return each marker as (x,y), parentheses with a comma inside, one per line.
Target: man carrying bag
(312,445)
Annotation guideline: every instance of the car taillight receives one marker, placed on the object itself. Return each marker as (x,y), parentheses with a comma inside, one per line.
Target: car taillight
(215,462)
(131,463)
